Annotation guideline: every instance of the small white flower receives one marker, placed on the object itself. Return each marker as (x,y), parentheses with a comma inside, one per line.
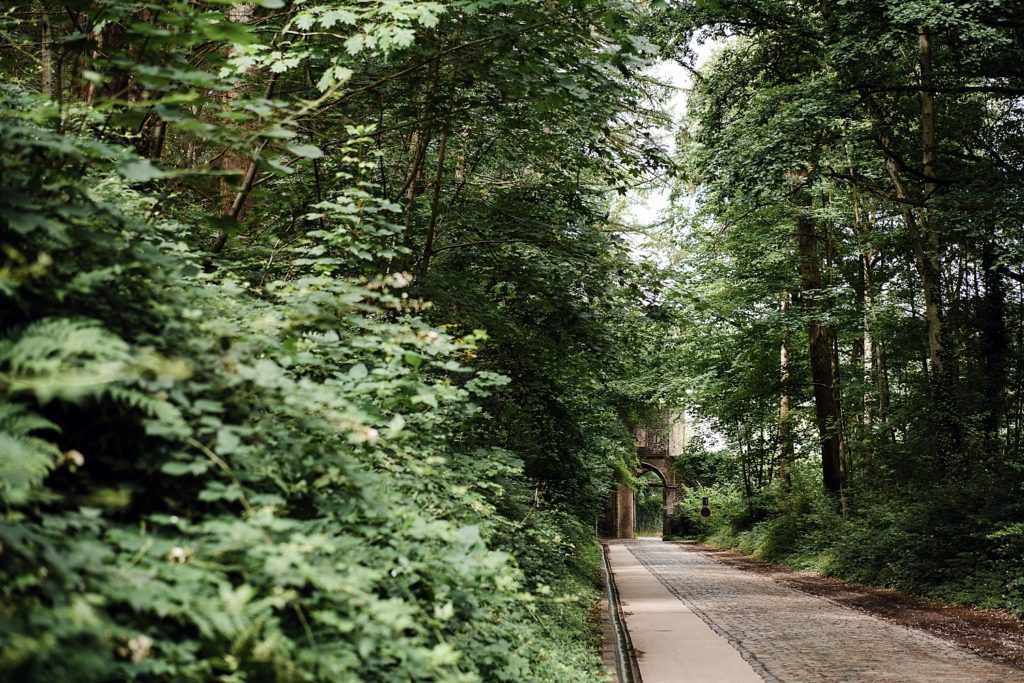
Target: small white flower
(75,458)
(139,647)
(179,554)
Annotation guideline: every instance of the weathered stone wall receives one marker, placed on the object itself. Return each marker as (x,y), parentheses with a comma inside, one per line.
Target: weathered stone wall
(658,443)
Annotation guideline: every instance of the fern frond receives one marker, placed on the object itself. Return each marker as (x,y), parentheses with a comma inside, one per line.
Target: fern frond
(25,460)
(63,358)
(158,409)
(16,419)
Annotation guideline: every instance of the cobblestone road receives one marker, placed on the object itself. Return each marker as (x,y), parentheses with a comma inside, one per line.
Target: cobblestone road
(793,637)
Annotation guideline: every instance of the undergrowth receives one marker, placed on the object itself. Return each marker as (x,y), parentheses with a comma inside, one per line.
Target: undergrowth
(208,480)
(946,543)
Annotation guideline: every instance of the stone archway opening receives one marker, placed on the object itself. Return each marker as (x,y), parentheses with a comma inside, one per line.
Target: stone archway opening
(650,502)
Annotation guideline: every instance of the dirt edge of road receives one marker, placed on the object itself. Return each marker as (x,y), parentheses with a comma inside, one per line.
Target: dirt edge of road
(992,634)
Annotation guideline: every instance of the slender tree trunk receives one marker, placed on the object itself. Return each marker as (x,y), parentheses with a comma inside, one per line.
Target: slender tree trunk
(927,250)
(233,199)
(159,138)
(748,490)
(110,40)
(845,463)
(415,183)
(764,466)
(882,372)
(1018,427)
(785,428)
(869,367)
(866,342)
(820,340)
(428,246)
(907,217)
(46,28)
(234,211)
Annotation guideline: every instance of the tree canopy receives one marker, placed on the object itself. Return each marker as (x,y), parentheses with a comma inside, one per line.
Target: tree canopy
(323,338)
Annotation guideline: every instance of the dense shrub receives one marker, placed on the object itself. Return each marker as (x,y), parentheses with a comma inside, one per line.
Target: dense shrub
(203,480)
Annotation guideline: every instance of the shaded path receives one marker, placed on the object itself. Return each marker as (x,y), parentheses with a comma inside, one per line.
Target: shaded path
(790,636)
(660,626)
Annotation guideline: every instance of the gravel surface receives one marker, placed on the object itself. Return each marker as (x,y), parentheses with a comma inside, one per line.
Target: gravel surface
(794,636)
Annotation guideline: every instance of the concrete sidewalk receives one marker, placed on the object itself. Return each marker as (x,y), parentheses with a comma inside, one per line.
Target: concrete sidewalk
(672,644)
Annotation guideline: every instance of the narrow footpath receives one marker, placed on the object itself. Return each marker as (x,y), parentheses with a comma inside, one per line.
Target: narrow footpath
(694,620)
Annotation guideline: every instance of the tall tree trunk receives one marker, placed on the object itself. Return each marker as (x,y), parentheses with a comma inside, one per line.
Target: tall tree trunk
(845,463)
(928,252)
(748,489)
(159,138)
(866,342)
(882,372)
(868,324)
(46,51)
(233,212)
(233,199)
(926,245)
(785,427)
(1018,425)
(110,40)
(820,339)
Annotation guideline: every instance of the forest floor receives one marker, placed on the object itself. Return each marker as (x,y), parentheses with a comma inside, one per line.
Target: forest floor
(992,634)
(784,625)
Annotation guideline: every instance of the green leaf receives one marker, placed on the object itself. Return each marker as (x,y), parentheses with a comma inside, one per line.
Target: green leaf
(140,171)
(395,426)
(227,441)
(332,76)
(278,133)
(305,151)
(178,469)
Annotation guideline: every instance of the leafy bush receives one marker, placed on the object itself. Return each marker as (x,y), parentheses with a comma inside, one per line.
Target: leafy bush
(936,543)
(207,481)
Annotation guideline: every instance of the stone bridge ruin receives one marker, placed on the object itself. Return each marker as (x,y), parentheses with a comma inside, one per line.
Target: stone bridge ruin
(659,442)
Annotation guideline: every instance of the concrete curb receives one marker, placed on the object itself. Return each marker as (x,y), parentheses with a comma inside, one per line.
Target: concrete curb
(626,669)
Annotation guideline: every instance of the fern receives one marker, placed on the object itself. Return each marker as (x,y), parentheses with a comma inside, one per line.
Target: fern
(25,460)
(68,359)
(163,412)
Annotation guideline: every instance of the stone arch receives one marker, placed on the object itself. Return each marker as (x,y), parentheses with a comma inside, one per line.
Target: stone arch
(648,467)
(665,496)
(658,442)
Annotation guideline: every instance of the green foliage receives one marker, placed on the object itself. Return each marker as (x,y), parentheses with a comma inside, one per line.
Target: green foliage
(365,436)
(935,546)
(820,221)
(212,482)
(649,497)
(25,459)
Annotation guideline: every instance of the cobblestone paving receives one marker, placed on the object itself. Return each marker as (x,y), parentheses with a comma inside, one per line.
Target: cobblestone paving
(793,637)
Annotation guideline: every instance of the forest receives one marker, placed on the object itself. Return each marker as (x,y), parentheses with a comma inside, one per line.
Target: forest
(325,328)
